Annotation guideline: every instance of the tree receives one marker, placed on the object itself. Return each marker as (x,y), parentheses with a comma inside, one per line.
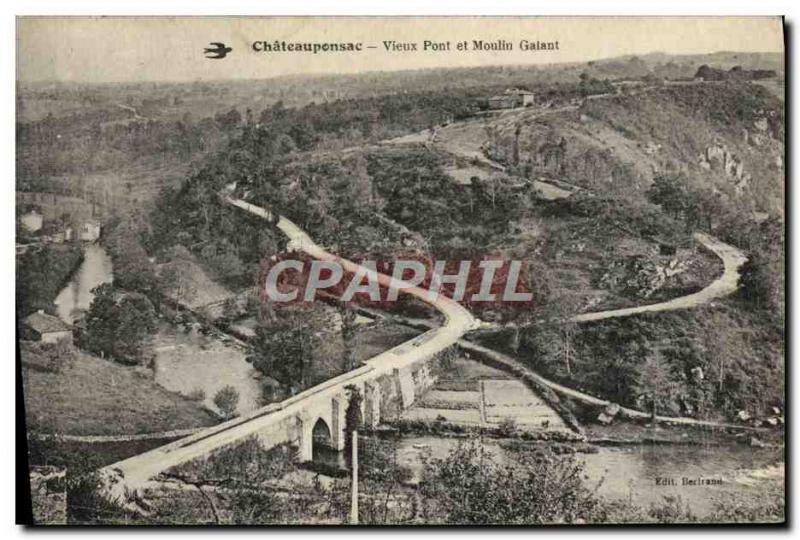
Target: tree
(708,73)
(238,485)
(177,276)
(589,85)
(671,193)
(222,256)
(41,274)
(655,380)
(382,478)
(132,267)
(284,350)
(119,324)
(348,331)
(226,399)
(548,331)
(551,347)
(759,284)
(352,420)
(469,487)
(359,189)
(230,120)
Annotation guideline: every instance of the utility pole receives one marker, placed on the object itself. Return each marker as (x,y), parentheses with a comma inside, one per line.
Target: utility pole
(354,481)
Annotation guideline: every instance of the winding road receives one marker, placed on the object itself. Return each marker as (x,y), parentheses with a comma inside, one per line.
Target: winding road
(139,471)
(460,321)
(732,260)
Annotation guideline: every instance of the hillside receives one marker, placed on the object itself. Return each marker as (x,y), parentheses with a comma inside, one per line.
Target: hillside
(597,189)
(127,141)
(174,100)
(728,137)
(86,398)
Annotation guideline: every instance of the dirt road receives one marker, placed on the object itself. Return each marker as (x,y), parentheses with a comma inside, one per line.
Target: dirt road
(732,259)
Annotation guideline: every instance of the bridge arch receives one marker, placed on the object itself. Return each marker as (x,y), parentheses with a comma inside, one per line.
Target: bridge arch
(321,440)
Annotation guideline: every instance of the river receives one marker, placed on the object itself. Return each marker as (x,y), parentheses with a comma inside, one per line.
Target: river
(185,363)
(631,472)
(76,297)
(193,364)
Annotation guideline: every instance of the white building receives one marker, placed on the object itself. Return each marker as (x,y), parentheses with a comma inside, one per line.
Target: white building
(511,99)
(90,231)
(32,221)
(524,97)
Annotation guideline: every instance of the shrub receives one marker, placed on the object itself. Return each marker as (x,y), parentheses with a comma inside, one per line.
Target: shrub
(119,325)
(507,428)
(471,487)
(226,400)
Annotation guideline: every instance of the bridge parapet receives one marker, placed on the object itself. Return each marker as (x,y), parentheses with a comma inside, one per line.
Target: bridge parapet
(389,382)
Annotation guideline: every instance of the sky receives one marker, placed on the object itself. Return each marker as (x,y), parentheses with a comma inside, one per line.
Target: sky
(134,49)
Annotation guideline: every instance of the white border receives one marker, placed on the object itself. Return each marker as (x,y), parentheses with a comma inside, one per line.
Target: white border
(319,7)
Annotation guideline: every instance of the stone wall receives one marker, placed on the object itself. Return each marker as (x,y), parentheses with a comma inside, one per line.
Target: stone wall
(400,389)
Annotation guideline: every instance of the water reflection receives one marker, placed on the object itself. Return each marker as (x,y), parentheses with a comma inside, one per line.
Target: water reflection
(76,297)
(632,472)
(700,475)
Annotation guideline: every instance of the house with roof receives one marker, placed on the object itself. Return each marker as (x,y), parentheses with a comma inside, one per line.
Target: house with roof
(511,99)
(90,231)
(523,98)
(502,102)
(45,328)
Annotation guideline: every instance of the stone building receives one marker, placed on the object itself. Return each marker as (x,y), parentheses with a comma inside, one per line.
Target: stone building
(511,99)
(45,328)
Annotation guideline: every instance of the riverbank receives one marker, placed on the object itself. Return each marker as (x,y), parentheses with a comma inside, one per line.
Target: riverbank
(634,433)
(621,434)
(639,482)
(42,275)
(92,396)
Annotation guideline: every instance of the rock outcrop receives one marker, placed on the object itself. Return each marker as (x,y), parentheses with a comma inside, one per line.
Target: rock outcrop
(718,157)
(641,276)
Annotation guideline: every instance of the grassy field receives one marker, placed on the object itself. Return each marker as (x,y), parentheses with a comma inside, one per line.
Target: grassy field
(98,397)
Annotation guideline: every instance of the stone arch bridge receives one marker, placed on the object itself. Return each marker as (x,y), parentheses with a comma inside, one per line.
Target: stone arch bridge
(388,383)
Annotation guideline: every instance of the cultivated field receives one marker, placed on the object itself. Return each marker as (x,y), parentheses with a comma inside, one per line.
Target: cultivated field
(477,395)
